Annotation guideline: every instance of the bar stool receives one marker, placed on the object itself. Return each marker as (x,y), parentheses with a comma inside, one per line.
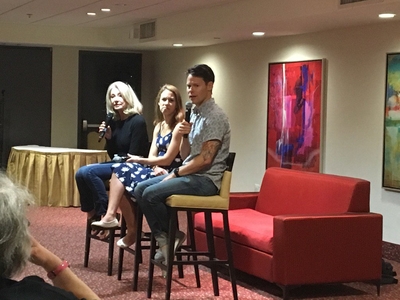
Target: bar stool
(113,233)
(110,240)
(142,243)
(198,204)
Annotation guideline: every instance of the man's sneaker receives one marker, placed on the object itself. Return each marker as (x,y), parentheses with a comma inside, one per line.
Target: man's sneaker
(162,251)
(162,240)
(159,257)
(180,238)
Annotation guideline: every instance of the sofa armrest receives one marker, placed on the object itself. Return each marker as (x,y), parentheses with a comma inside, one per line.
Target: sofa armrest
(327,248)
(242,200)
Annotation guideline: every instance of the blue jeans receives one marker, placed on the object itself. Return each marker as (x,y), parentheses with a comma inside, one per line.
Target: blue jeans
(152,193)
(90,182)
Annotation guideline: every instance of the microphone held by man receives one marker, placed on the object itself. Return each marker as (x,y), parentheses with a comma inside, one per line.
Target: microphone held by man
(188,111)
(102,132)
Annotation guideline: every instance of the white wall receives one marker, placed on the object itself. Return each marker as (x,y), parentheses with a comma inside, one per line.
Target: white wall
(64,108)
(353,108)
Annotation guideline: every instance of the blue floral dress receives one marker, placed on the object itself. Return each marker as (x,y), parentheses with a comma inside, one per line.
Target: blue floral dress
(130,174)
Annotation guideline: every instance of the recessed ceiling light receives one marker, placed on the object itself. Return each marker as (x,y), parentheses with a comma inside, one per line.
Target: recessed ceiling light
(91,14)
(177,45)
(258,33)
(106,9)
(386,16)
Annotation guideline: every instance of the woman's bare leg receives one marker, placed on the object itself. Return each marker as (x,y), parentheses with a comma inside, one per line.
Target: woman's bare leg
(117,190)
(128,210)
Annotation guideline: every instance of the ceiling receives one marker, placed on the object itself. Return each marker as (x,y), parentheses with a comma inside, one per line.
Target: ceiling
(193,22)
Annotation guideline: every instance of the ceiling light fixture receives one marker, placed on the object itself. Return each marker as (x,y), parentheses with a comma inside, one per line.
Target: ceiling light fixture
(177,45)
(387,16)
(258,33)
(91,14)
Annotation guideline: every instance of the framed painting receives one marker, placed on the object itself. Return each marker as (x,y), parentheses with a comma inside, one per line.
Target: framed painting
(391,145)
(294,115)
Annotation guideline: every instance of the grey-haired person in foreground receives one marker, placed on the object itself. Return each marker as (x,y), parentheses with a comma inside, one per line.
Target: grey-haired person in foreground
(17,247)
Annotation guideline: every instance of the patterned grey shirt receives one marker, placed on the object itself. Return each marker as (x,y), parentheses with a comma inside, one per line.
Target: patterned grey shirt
(210,123)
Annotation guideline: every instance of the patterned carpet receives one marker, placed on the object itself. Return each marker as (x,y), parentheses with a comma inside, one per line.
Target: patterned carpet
(62,230)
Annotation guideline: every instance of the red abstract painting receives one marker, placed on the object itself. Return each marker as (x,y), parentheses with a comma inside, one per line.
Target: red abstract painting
(391,153)
(294,115)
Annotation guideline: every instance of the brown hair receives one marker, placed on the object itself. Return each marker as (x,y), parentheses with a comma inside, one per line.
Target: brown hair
(178,108)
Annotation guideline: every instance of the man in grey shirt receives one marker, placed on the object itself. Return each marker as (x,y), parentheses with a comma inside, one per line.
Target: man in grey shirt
(204,151)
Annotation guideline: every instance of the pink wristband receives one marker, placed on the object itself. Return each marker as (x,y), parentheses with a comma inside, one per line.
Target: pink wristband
(58,270)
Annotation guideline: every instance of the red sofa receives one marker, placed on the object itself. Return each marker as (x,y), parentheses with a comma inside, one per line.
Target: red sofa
(302,228)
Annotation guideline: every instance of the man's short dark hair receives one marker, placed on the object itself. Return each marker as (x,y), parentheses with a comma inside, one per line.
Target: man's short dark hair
(203,71)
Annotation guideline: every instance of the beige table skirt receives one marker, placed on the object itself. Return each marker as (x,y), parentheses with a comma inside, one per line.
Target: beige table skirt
(49,173)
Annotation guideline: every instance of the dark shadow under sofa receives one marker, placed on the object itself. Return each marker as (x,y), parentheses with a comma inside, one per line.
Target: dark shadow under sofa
(302,228)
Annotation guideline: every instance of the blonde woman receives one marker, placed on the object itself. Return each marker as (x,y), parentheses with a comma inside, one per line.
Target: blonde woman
(126,133)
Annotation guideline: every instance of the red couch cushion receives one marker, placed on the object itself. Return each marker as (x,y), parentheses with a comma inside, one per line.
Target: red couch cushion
(247,226)
(286,191)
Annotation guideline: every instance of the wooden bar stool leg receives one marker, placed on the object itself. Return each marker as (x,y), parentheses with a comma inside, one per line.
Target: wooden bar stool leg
(87,243)
(173,224)
(179,256)
(138,248)
(151,265)
(211,250)
(121,251)
(111,238)
(192,246)
(229,253)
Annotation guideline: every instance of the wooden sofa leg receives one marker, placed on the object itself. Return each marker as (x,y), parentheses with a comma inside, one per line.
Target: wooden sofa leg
(378,287)
(285,291)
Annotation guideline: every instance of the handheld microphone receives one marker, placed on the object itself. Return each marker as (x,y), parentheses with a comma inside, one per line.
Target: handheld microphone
(107,121)
(188,106)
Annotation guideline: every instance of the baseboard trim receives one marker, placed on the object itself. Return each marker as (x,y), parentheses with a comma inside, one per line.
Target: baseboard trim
(391,251)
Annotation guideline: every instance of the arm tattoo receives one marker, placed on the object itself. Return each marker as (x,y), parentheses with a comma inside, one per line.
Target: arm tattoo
(210,149)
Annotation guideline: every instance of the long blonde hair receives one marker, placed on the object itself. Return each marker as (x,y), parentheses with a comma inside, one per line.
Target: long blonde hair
(134,105)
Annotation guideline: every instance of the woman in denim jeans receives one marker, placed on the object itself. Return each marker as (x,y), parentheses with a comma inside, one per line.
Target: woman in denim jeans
(126,133)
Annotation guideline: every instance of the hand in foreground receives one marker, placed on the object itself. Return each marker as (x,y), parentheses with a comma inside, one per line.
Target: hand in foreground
(133,158)
(170,176)
(159,171)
